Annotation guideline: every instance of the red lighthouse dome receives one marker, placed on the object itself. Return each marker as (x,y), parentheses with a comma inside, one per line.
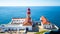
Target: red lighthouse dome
(28,9)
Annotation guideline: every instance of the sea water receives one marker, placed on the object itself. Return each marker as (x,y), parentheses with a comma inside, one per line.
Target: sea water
(52,13)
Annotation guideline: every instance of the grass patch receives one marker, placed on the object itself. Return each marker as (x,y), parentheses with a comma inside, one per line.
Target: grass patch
(41,32)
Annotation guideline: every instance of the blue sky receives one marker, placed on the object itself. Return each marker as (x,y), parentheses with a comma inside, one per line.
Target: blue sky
(29,2)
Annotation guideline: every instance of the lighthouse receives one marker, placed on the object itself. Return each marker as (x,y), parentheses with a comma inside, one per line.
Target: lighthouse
(28,12)
(28,20)
(28,15)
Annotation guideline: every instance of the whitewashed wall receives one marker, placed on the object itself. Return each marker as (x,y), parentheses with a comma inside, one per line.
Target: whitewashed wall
(47,26)
(29,27)
(18,20)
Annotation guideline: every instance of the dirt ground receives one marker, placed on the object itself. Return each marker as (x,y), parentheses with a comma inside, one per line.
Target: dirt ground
(21,33)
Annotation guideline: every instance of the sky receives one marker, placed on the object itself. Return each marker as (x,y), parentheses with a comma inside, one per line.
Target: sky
(29,2)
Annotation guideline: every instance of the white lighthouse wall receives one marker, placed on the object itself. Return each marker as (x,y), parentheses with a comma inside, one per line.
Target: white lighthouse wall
(29,27)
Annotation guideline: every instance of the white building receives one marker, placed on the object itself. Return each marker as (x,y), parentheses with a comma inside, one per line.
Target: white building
(46,24)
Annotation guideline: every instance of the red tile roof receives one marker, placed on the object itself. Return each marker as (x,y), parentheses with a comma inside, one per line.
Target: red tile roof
(27,22)
(44,20)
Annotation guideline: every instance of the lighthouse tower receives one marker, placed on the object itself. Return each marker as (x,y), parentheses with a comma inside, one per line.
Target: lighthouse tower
(28,20)
(28,13)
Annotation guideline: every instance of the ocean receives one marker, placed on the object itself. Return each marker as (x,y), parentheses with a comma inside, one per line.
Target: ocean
(52,13)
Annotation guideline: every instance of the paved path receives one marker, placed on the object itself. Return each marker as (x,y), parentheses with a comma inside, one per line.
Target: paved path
(31,32)
(21,33)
